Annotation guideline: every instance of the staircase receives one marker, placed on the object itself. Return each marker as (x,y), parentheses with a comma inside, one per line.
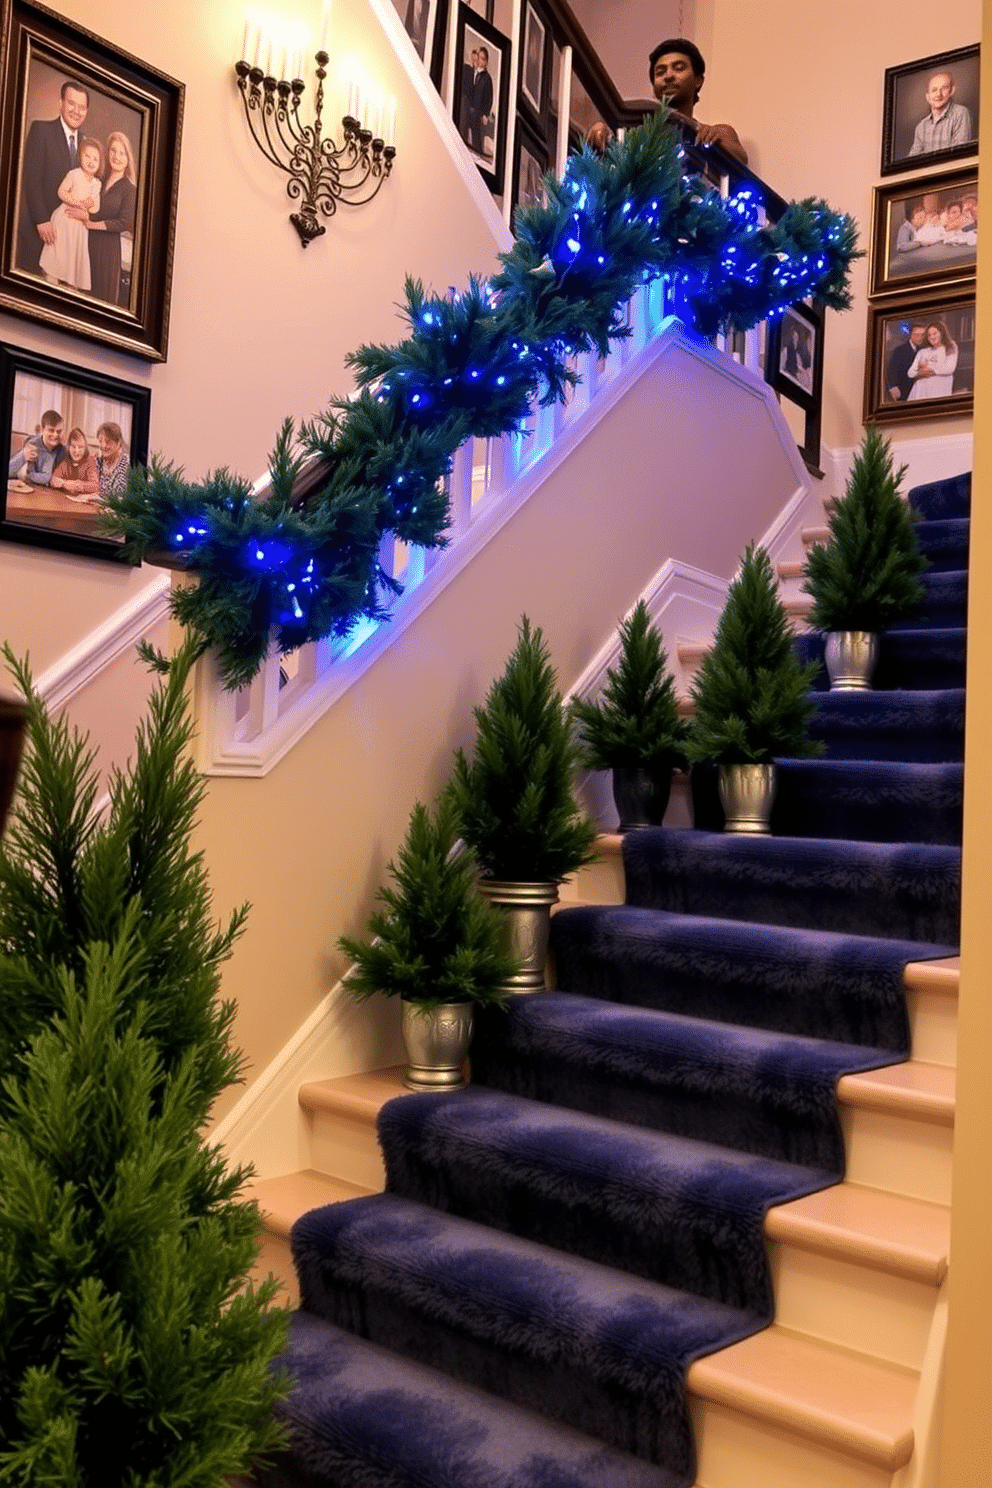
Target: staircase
(737,1110)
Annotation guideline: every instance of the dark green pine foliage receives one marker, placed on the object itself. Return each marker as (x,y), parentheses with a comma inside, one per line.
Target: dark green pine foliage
(751,695)
(436,939)
(515,797)
(867,576)
(132,1352)
(636,723)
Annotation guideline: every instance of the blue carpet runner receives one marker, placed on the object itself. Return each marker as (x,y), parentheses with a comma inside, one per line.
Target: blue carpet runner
(557,1243)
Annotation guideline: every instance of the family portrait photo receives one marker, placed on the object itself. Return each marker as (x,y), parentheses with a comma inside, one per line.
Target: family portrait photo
(424,22)
(794,354)
(531,165)
(921,359)
(796,351)
(931,110)
(926,232)
(481,91)
(532,72)
(78,188)
(71,440)
(90,150)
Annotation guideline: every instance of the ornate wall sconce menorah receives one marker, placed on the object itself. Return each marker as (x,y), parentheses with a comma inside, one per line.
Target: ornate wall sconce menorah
(321,173)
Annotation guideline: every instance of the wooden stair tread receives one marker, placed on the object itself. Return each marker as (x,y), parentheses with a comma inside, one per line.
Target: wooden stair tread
(914,1089)
(282,1200)
(934,976)
(867,1226)
(813,535)
(830,1395)
(361,1095)
(690,653)
(791,568)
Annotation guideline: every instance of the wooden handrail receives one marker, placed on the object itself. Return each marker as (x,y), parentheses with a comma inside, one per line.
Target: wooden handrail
(13,722)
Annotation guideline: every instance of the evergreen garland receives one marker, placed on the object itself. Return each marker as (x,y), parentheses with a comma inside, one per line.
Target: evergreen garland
(470,366)
(131,1350)
(515,799)
(868,575)
(751,695)
(636,723)
(436,939)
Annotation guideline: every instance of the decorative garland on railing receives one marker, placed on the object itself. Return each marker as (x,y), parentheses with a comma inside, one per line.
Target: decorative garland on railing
(471,366)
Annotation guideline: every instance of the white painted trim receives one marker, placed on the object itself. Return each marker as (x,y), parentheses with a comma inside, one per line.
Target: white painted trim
(447,135)
(223,755)
(101,648)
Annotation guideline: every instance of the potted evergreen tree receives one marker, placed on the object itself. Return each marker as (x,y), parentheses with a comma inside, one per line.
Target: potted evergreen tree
(516,802)
(635,729)
(868,575)
(751,697)
(133,1348)
(436,944)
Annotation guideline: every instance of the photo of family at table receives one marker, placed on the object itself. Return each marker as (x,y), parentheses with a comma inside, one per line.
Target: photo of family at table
(936,229)
(78,189)
(68,450)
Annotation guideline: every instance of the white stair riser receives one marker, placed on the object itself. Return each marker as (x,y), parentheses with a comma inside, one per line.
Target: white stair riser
(933,1021)
(898,1154)
(737,1452)
(346,1147)
(854,1305)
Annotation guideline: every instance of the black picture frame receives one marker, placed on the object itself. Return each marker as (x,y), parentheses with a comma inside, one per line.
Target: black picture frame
(132,110)
(890,327)
(486,141)
(907,107)
(794,355)
(533,52)
(530,163)
(37,513)
(425,22)
(923,249)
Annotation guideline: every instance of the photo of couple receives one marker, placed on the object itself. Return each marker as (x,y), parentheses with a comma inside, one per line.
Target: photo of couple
(78,187)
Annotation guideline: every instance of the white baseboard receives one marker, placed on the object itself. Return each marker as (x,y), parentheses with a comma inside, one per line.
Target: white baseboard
(103,646)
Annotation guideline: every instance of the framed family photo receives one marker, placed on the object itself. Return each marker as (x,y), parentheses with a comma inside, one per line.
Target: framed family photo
(794,355)
(920,361)
(68,437)
(925,232)
(89,165)
(532,68)
(931,111)
(424,22)
(482,91)
(530,165)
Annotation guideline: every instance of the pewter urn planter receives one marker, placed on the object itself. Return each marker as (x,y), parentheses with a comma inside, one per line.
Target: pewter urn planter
(747,793)
(850,657)
(436,1042)
(641,797)
(526,910)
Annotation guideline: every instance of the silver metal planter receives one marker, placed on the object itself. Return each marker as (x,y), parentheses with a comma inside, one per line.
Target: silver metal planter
(436,1043)
(641,797)
(526,910)
(747,793)
(850,656)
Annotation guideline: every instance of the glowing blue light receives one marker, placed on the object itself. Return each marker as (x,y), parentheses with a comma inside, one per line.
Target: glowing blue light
(475,373)
(428,317)
(500,381)
(573,244)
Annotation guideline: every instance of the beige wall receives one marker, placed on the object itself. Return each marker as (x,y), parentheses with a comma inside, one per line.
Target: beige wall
(260,327)
(967,1451)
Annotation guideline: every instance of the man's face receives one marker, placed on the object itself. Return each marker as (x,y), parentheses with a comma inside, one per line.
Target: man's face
(916,335)
(675,82)
(475,61)
(953,217)
(51,435)
(940,91)
(74,106)
(483,59)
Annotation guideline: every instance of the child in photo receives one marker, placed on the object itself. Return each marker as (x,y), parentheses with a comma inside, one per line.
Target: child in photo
(76,475)
(908,236)
(67,260)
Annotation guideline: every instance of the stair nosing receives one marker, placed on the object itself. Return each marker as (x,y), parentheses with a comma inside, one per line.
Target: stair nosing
(789,1224)
(726,1378)
(334,1096)
(867,1091)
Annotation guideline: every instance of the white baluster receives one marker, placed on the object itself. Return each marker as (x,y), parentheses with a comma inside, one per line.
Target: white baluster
(263,697)
(460,488)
